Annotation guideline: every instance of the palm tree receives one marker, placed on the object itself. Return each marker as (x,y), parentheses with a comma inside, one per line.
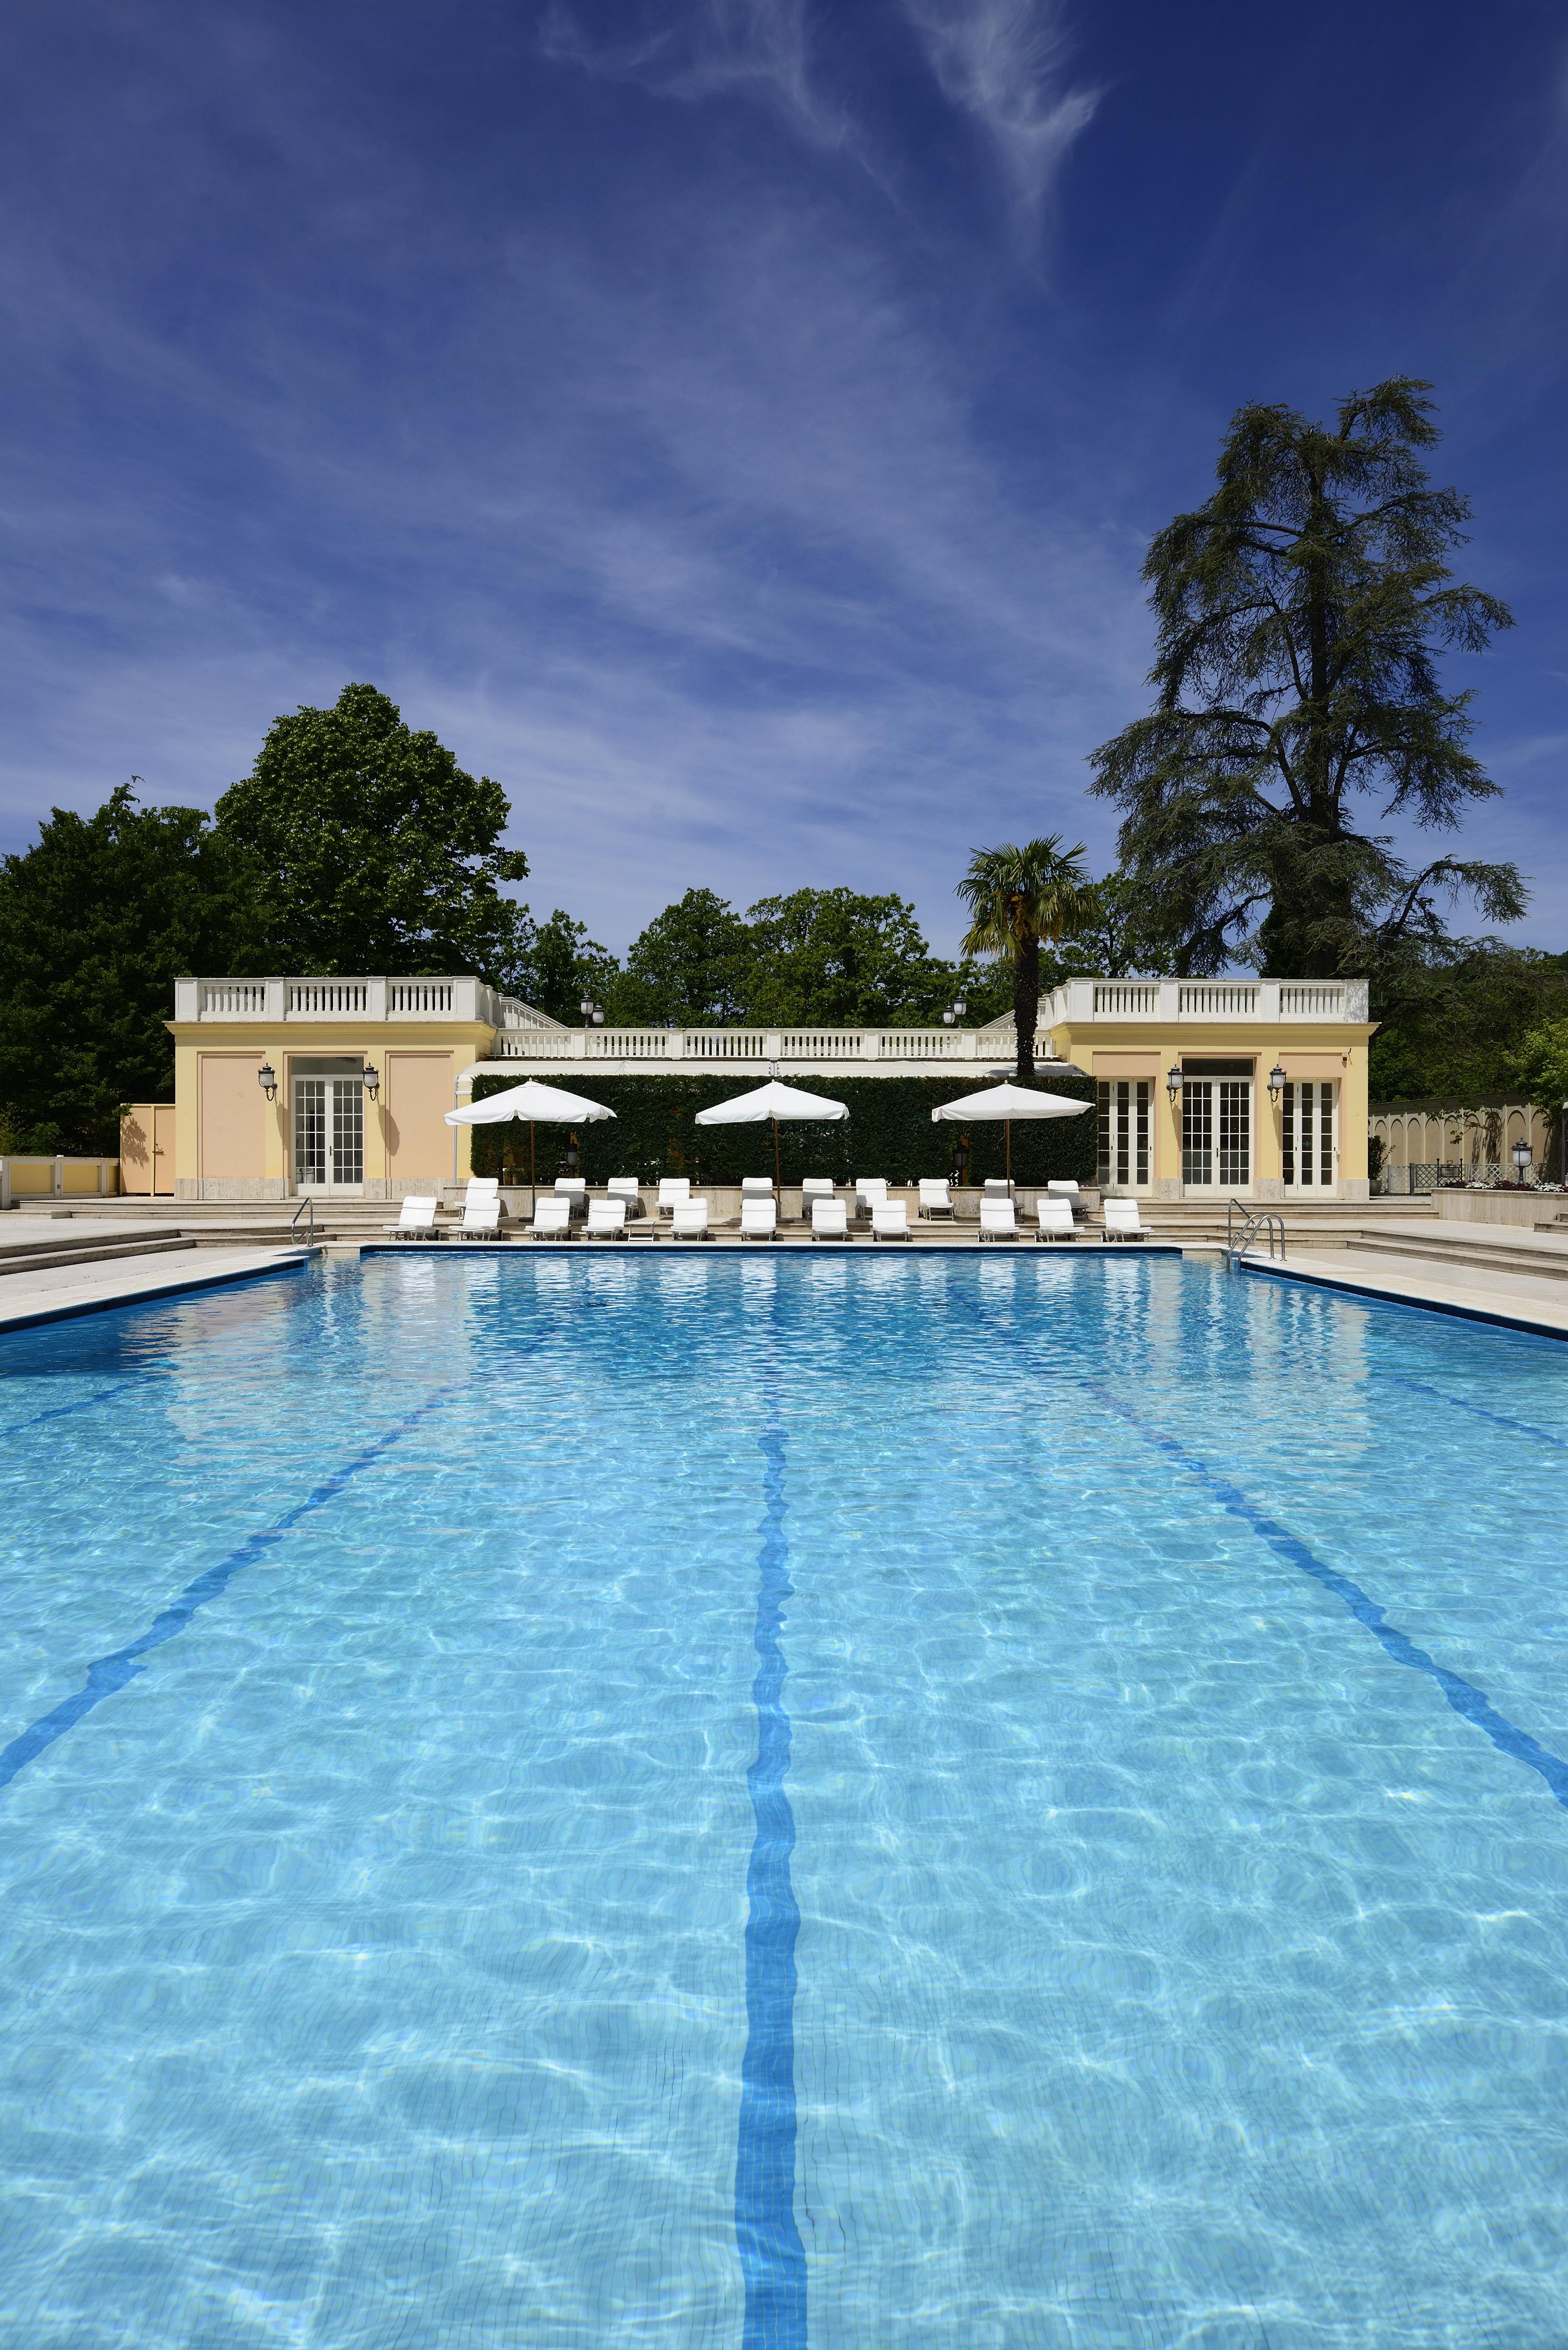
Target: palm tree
(1019,895)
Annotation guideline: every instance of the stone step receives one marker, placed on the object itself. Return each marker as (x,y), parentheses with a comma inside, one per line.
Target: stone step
(1546,1264)
(44,1256)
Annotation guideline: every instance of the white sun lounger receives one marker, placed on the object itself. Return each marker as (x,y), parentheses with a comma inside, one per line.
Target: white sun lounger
(759,1219)
(998,1187)
(756,1187)
(674,1192)
(890,1221)
(870,1191)
(936,1199)
(1055,1220)
(627,1188)
(997,1220)
(829,1220)
(689,1220)
(416,1219)
(1123,1221)
(480,1213)
(552,1220)
(607,1220)
(816,1187)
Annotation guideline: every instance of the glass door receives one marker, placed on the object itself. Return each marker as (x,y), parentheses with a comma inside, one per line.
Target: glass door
(1123,1104)
(1216,1134)
(1306,1136)
(329,1134)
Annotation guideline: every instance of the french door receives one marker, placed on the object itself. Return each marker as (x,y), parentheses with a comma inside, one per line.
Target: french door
(1216,1133)
(1306,1136)
(328,1133)
(1123,1105)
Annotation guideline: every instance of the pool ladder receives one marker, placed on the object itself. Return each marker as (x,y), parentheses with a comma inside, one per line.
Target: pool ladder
(1255,1221)
(306,1208)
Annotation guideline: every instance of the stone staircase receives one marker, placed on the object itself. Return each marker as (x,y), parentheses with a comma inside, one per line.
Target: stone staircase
(90,1247)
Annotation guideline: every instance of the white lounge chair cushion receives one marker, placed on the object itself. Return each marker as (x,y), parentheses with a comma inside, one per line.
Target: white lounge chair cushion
(817,1187)
(570,1187)
(759,1219)
(829,1220)
(1055,1215)
(553,1216)
(934,1191)
(1063,1184)
(1122,1217)
(997,1220)
(998,1187)
(416,1215)
(623,1187)
(890,1221)
(871,1190)
(674,1191)
(756,1187)
(606,1215)
(481,1215)
(691,1221)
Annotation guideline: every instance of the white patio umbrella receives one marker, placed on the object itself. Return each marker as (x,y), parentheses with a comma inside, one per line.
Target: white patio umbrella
(775,1101)
(550,1105)
(1006,1103)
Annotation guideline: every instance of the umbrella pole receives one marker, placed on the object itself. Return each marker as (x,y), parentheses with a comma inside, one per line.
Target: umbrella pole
(533,1174)
(1007,1146)
(778,1180)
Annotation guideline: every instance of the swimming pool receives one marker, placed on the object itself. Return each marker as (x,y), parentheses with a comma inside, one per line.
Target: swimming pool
(932,1802)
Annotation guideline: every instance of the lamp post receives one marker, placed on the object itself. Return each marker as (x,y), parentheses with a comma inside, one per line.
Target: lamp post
(593,1013)
(954,1011)
(1521,1154)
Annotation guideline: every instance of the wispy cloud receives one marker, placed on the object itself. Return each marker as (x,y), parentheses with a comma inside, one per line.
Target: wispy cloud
(1004,62)
(709,48)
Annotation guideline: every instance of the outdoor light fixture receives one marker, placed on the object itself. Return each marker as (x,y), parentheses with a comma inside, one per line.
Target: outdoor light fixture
(592,1013)
(954,1011)
(1276,1082)
(372,1077)
(1522,1155)
(1173,1082)
(267,1081)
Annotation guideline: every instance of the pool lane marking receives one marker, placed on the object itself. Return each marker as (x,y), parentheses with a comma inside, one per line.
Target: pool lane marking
(64,1411)
(1466,1700)
(1462,1403)
(108,1674)
(772,2258)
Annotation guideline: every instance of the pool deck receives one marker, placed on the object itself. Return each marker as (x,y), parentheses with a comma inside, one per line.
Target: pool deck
(54,1292)
(1515,1301)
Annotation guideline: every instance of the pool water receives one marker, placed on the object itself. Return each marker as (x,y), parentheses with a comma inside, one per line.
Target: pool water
(935,1802)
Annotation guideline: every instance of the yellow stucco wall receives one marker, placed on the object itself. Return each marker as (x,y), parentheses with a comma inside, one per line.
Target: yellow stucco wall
(229,1138)
(1303,1049)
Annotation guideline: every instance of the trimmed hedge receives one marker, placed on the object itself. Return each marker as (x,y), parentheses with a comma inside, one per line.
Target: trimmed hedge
(889,1131)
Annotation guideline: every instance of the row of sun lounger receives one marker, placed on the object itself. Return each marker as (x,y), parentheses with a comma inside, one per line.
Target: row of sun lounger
(605,1219)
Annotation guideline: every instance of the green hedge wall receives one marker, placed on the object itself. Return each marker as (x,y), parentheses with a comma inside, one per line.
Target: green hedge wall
(889,1131)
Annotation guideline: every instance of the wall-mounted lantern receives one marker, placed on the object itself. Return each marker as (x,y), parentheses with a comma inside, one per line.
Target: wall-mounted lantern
(1173,1083)
(268,1080)
(372,1077)
(1276,1084)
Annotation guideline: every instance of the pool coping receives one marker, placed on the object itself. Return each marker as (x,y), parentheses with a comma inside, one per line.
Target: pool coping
(68,1308)
(1498,1319)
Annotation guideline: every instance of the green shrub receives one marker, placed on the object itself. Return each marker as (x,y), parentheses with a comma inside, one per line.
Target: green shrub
(889,1131)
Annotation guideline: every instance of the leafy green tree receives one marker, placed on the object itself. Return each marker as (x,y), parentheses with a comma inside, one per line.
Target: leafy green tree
(688,968)
(559,967)
(1019,896)
(837,957)
(1455,1015)
(375,851)
(97,920)
(1302,613)
(1116,934)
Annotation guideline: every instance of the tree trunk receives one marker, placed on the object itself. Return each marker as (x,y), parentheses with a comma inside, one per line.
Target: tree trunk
(1026,1001)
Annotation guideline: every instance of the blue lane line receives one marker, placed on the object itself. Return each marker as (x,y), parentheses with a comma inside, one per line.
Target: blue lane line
(773,2258)
(65,1410)
(1467,1701)
(1462,1403)
(108,1674)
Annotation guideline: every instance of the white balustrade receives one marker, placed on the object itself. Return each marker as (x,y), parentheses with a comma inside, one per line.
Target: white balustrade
(631,1043)
(1310,1000)
(725,1044)
(418,995)
(924,1044)
(1216,999)
(1125,997)
(822,1045)
(234,999)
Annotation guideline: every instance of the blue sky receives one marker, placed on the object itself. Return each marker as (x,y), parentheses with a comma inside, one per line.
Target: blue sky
(736,424)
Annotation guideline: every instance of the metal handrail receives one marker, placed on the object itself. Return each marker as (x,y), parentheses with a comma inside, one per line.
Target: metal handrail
(306,1208)
(1254,1219)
